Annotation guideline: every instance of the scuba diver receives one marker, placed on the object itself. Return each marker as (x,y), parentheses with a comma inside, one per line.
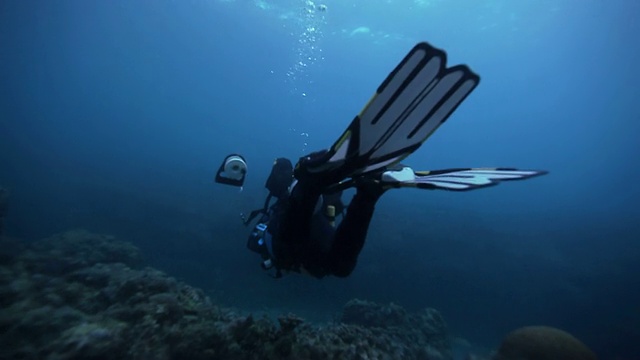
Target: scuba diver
(298,233)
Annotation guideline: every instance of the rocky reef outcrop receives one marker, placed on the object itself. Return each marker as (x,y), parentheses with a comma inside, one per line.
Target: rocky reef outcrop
(79,295)
(542,343)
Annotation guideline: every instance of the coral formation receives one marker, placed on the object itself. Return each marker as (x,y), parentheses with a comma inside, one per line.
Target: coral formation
(542,343)
(84,295)
(426,328)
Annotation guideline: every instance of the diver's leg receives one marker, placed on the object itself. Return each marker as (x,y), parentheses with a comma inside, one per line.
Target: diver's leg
(314,259)
(352,231)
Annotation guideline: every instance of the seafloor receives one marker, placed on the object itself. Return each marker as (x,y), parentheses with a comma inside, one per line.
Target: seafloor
(79,295)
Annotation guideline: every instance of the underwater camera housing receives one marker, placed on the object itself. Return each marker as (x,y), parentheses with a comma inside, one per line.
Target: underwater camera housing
(259,242)
(232,171)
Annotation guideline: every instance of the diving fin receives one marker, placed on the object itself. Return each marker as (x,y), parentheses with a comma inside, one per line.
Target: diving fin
(454,179)
(410,104)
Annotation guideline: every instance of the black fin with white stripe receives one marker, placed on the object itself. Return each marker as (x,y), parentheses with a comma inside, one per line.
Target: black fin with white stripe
(412,102)
(464,179)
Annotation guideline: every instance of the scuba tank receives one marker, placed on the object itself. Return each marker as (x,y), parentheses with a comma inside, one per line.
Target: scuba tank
(280,178)
(277,183)
(260,239)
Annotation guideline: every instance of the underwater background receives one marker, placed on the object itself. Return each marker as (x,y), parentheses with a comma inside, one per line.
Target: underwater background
(115,116)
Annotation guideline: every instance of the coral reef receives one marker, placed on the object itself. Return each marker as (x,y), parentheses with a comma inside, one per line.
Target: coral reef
(542,343)
(83,295)
(426,329)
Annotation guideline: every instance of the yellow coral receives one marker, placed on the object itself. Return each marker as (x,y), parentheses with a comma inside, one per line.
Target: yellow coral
(542,343)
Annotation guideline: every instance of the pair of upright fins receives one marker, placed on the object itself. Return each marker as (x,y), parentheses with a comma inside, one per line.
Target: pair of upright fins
(416,98)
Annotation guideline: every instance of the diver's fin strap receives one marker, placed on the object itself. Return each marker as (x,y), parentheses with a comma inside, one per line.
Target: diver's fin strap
(410,104)
(464,178)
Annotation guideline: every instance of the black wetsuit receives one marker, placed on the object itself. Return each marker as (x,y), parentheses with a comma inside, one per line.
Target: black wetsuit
(304,240)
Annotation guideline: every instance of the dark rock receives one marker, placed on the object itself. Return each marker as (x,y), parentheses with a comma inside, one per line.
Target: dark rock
(72,250)
(135,286)
(369,314)
(9,292)
(289,322)
(10,249)
(425,331)
(97,276)
(431,324)
(167,308)
(90,341)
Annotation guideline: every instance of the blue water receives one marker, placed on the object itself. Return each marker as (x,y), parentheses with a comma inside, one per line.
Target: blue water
(114,116)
